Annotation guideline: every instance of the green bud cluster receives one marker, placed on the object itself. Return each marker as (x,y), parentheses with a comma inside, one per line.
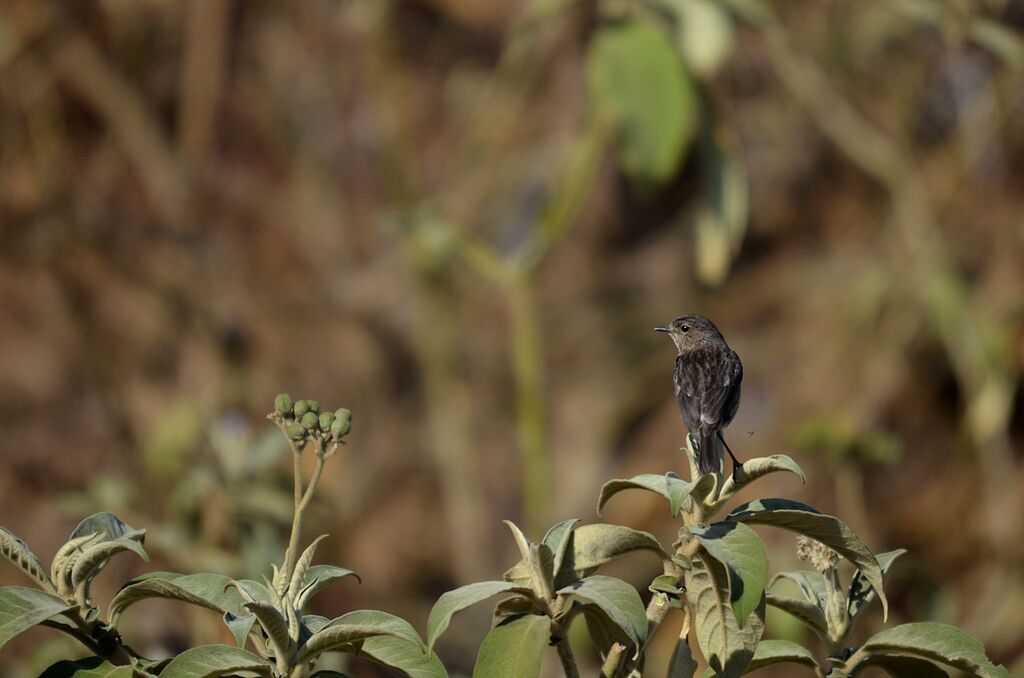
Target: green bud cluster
(302,420)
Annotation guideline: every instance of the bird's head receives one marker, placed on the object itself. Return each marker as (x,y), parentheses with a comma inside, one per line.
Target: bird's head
(690,331)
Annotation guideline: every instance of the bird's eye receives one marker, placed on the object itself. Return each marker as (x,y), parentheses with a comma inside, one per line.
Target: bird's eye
(685,328)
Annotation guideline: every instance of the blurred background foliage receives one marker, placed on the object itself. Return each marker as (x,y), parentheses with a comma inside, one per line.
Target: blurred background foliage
(460,219)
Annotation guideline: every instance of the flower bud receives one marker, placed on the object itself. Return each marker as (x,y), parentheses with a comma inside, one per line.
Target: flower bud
(342,423)
(314,406)
(295,430)
(283,405)
(309,421)
(326,419)
(301,407)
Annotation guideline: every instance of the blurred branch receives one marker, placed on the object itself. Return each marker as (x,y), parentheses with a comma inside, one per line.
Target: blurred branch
(202,75)
(988,386)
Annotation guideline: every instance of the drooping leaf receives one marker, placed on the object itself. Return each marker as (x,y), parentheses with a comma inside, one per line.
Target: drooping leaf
(212,591)
(15,550)
(22,608)
(240,627)
(596,544)
(603,631)
(635,77)
(741,551)
(758,467)
(828,530)
(811,584)
(388,623)
(778,651)
(319,577)
(209,661)
(94,558)
(90,667)
(407,657)
(453,601)
(723,643)
(514,649)
(670,486)
(861,594)
(64,561)
(617,599)
(939,643)
(557,540)
(808,613)
(904,666)
(105,523)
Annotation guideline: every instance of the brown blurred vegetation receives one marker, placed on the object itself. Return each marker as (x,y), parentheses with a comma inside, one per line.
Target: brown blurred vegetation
(205,203)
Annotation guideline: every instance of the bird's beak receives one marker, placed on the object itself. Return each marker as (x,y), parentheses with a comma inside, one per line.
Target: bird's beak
(662,329)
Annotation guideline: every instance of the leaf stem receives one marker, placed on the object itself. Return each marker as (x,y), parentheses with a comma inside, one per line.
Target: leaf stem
(566,657)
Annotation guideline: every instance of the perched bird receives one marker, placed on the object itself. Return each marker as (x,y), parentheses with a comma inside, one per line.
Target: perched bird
(707,385)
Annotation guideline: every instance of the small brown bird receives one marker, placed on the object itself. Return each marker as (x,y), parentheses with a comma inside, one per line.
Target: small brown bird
(707,385)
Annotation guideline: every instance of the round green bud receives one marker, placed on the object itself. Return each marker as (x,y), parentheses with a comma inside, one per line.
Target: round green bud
(283,405)
(342,423)
(310,421)
(301,407)
(295,430)
(326,419)
(314,406)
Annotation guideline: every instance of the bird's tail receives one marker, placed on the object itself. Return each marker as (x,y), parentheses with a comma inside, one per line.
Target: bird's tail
(709,454)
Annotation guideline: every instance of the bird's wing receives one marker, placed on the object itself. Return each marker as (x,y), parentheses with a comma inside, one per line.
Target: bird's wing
(707,387)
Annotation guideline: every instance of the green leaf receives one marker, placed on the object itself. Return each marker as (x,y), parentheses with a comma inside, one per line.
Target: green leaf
(206,590)
(255,590)
(274,626)
(302,567)
(240,626)
(635,77)
(328,673)
(939,643)
(386,623)
(94,559)
(521,541)
(617,599)
(811,584)
(319,577)
(808,613)
(682,664)
(602,630)
(724,208)
(596,544)
(670,486)
(778,651)
(404,656)
(18,552)
(903,666)
(727,648)
(209,661)
(861,595)
(741,551)
(830,531)
(557,540)
(704,34)
(22,608)
(757,468)
(90,667)
(453,601)
(104,523)
(514,649)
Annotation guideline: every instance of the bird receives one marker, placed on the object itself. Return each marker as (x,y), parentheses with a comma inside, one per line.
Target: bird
(707,381)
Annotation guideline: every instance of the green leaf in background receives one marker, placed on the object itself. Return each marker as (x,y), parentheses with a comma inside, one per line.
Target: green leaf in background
(451,602)
(723,210)
(514,649)
(206,590)
(22,608)
(90,667)
(208,661)
(617,599)
(939,643)
(741,551)
(726,647)
(594,545)
(15,550)
(830,531)
(670,486)
(635,77)
(704,34)
(410,658)
(861,594)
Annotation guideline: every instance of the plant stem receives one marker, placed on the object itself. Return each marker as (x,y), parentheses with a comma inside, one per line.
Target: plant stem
(302,500)
(566,657)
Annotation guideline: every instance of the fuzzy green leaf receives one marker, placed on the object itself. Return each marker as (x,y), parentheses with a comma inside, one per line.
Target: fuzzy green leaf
(727,648)
(104,523)
(903,666)
(453,601)
(302,567)
(831,531)
(387,623)
(22,608)
(758,467)
(514,649)
(90,667)
(811,584)
(939,643)
(319,577)
(210,661)
(557,540)
(778,651)
(95,557)
(212,591)
(240,627)
(274,625)
(670,486)
(861,594)
(741,551)
(18,552)
(615,598)
(808,613)
(596,544)
(407,657)
(635,77)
